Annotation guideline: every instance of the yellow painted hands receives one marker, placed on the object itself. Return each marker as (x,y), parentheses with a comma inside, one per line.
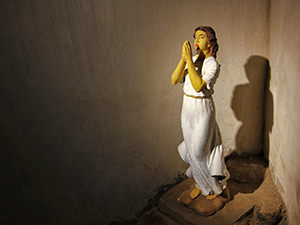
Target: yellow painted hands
(196,78)
(180,72)
(203,49)
(187,52)
(186,56)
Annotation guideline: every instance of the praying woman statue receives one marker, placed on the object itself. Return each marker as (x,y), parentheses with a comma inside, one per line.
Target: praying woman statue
(202,146)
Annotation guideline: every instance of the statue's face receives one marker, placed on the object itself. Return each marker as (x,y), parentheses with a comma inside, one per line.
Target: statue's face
(201,42)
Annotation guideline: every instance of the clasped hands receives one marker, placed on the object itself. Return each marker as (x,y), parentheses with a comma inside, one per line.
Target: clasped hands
(187,54)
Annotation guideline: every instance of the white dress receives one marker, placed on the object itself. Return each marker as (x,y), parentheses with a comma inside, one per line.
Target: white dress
(202,145)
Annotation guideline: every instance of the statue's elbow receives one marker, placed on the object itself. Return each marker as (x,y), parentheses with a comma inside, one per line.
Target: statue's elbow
(198,89)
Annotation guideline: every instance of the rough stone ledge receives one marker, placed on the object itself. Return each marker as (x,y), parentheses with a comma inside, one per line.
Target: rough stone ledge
(255,200)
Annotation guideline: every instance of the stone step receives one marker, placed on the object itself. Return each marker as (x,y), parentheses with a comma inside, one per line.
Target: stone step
(255,200)
(232,211)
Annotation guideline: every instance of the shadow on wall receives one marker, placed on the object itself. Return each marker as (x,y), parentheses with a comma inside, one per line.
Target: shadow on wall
(252,104)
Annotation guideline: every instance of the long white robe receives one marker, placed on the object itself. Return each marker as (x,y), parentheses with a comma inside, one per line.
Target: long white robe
(202,146)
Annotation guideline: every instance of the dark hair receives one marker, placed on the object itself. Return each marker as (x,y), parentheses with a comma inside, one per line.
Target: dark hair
(211,36)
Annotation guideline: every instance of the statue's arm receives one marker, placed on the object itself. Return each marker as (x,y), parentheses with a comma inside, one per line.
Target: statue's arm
(196,79)
(179,73)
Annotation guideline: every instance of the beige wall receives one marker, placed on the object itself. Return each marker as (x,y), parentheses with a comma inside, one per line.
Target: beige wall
(89,120)
(285,82)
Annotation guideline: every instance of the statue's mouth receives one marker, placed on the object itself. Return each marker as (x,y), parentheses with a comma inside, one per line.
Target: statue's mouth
(197,46)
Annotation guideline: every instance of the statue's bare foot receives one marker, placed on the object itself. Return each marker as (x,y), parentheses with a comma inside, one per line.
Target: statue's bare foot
(195,193)
(211,197)
(208,205)
(186,196)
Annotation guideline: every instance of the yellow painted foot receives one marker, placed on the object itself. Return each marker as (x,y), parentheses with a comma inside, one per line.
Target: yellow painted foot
(211,197)
(195,193)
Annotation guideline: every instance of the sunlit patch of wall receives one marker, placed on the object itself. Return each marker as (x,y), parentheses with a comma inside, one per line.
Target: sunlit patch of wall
(284,55)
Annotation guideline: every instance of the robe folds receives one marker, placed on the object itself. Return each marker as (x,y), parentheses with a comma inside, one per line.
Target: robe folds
(202,146)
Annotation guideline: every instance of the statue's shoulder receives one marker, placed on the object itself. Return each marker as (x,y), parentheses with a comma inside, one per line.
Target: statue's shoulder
(212,62)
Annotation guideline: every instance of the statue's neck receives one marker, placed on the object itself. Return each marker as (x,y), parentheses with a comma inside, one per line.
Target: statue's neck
(204,54)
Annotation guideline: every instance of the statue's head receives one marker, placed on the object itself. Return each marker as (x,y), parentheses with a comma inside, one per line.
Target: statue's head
(205,39)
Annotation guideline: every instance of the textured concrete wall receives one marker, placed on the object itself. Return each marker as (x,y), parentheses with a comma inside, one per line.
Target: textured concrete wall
(284,152)
(90,122)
